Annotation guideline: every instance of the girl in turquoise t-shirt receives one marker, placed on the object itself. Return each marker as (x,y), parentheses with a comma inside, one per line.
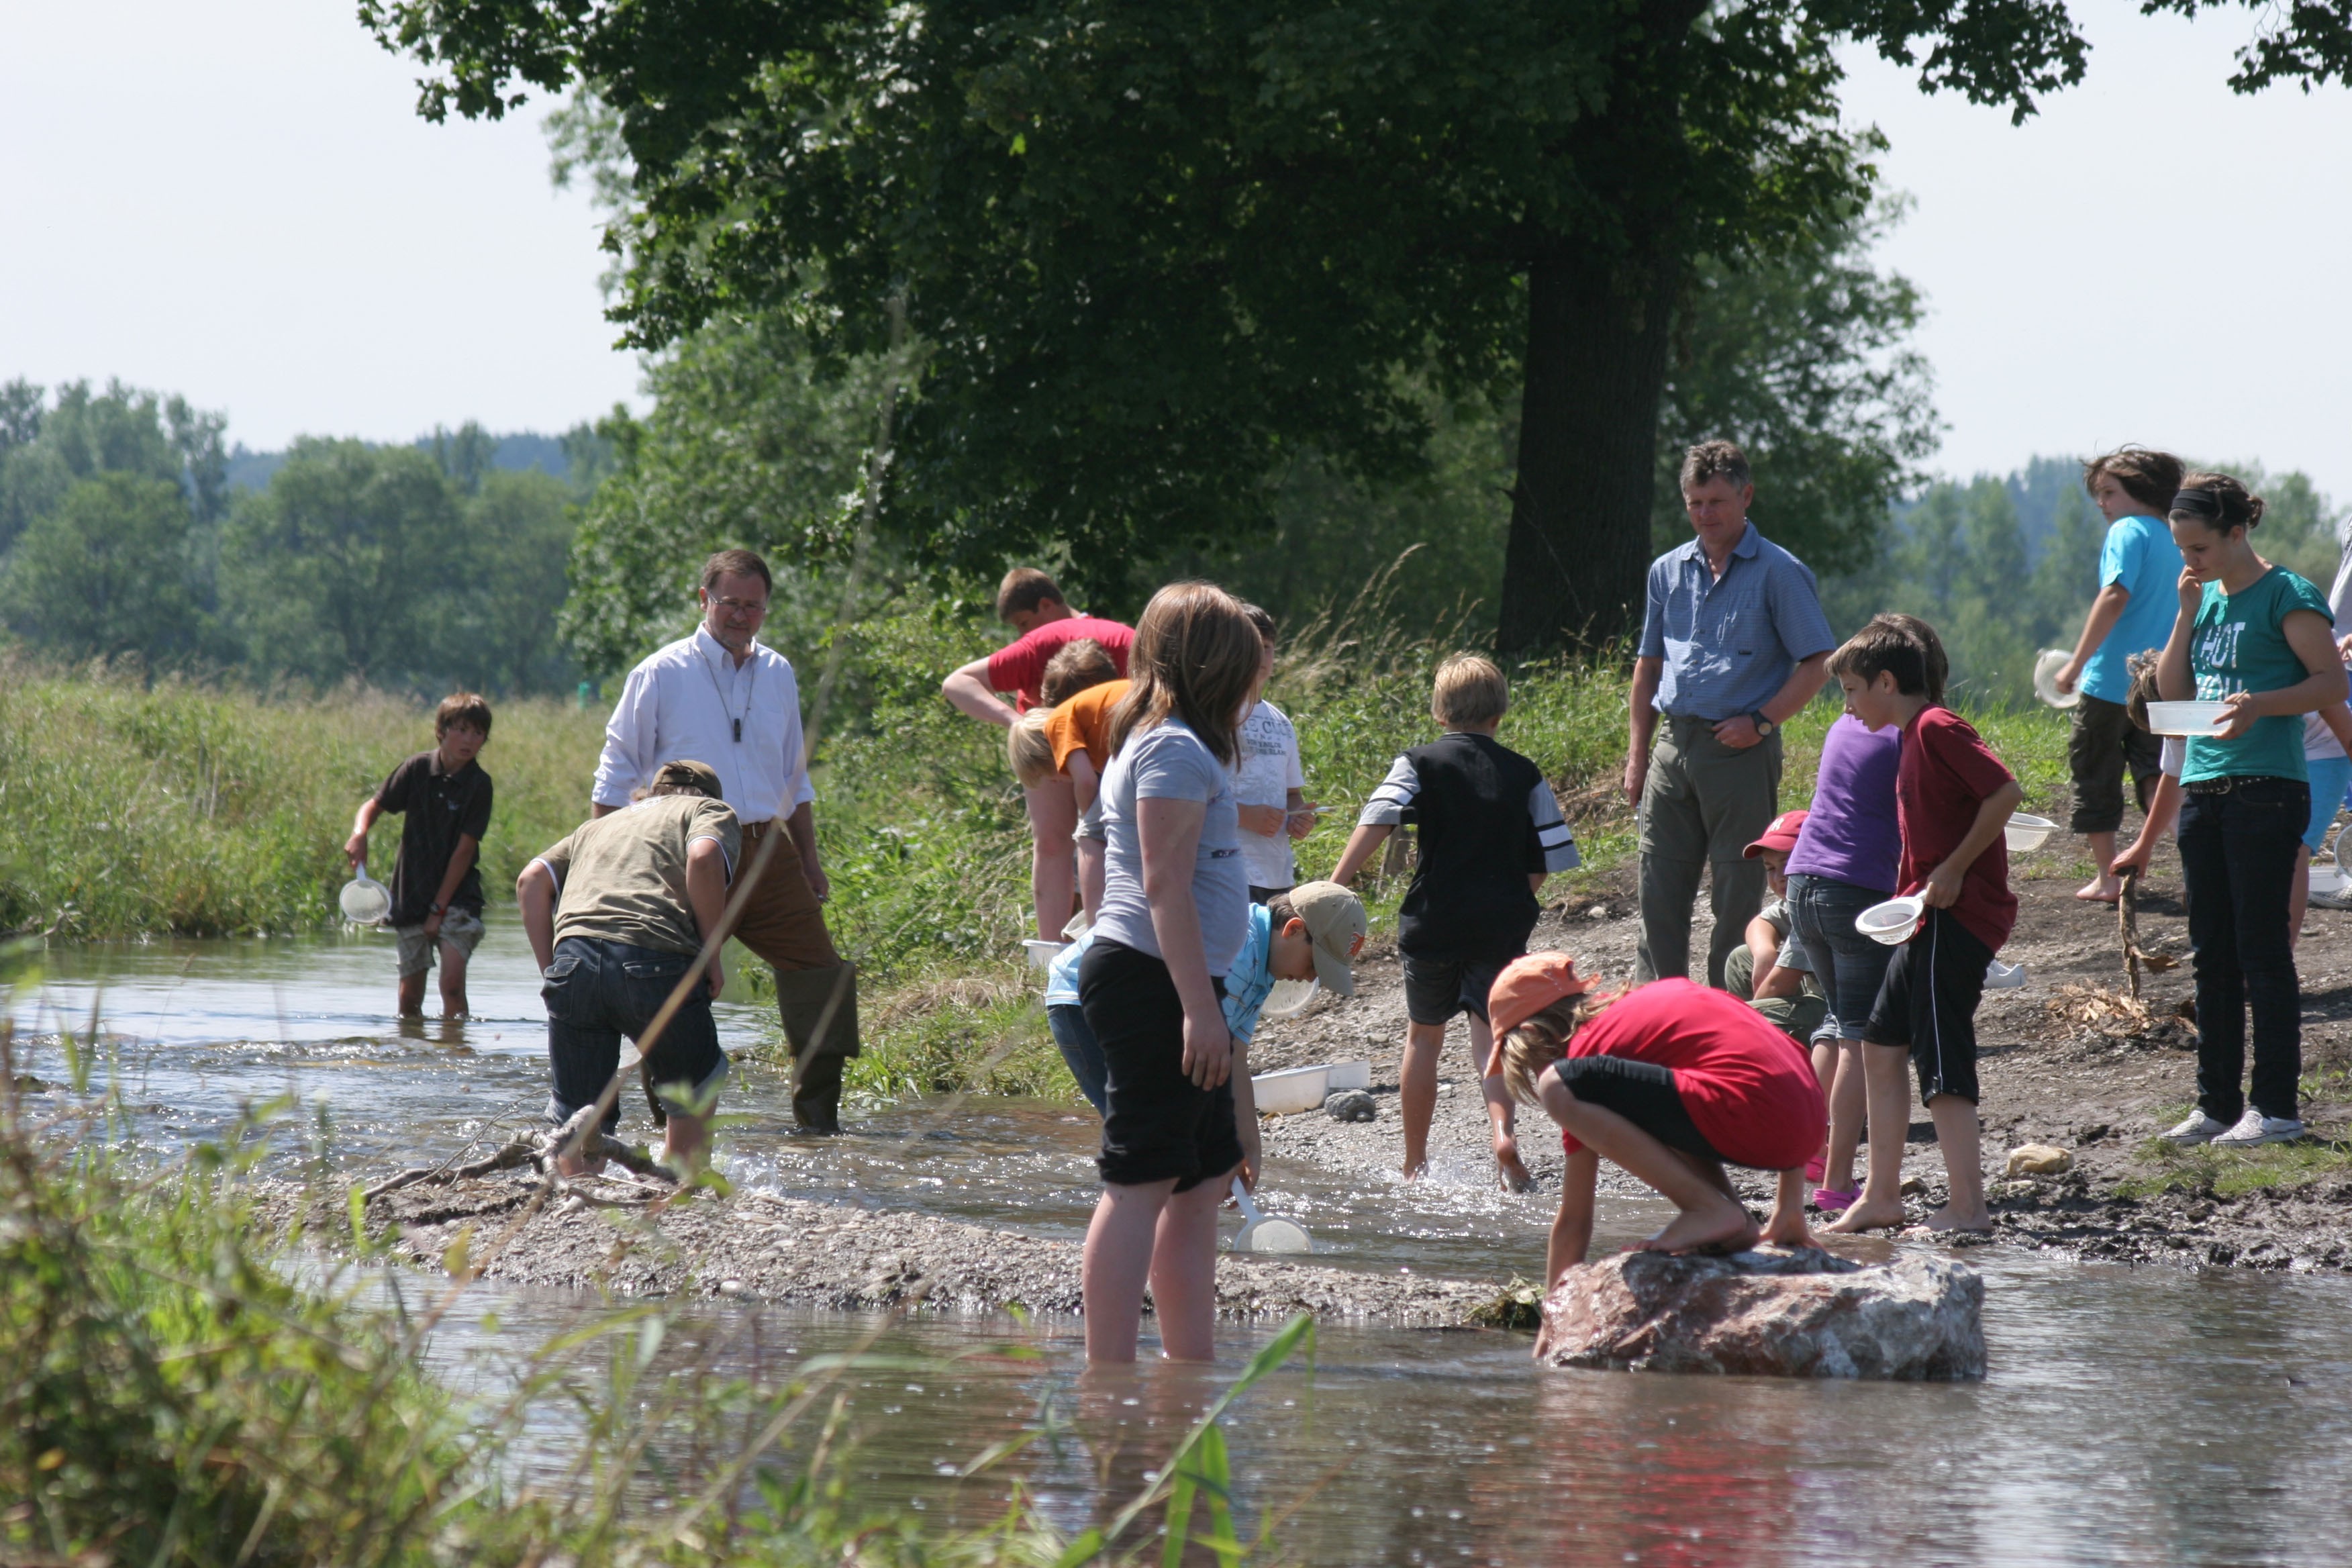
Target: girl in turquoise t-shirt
(2260,639)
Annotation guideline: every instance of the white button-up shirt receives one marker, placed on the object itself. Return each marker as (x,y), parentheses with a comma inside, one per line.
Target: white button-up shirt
(684,702)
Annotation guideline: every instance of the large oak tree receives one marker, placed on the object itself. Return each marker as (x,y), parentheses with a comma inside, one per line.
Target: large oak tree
(1154,248)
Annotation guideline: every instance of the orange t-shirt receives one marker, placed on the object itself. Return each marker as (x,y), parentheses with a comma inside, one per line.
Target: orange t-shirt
(1083,724)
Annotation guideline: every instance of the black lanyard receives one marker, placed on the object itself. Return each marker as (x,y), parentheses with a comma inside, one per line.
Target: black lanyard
(753,665)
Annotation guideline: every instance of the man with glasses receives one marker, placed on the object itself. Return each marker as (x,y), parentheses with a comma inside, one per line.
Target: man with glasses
(722,697)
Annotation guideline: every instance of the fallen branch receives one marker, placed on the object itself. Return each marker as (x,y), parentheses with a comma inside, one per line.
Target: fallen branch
(535,1150)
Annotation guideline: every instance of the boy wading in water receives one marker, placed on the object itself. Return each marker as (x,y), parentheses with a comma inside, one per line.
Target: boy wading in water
(1669,1081)
(436,885)
(1952,799)
(1490,832)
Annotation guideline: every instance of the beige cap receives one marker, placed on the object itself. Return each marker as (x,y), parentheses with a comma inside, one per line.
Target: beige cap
(692,774)
(1335,930)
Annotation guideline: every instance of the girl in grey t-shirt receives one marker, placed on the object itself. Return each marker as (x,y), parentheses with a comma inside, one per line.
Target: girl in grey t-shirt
(1174,913)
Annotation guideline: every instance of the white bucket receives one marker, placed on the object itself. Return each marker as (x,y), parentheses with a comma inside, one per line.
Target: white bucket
(1893,921)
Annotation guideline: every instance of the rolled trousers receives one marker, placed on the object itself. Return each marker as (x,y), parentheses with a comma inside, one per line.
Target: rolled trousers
(1703,802)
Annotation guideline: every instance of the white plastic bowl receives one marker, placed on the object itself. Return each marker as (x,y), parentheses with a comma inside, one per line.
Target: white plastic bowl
(2184,718)
(1043,953)
(1893,921)
(2025,832)
(365,900)
(2045,679)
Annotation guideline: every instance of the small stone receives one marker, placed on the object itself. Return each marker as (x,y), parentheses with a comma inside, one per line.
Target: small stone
(1597,913)
(1912,1187)
(1351,1105)
(730,1286)
(1803,1314)
(2037,1159)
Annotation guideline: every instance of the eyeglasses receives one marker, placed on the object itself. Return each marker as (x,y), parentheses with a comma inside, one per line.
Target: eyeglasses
(743,606)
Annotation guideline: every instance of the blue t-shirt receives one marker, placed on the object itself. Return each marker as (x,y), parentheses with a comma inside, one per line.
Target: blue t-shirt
(2139,555)
(1247,983)
(2240,645)
(1169,761)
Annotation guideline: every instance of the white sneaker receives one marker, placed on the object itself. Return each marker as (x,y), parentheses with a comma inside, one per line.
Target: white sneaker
(2255,1128)
(2198,1129)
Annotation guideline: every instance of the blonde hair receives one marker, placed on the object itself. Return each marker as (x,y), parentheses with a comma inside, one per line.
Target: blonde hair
(1028,750)
(1542,1039)
(1469,690)
(1194,658)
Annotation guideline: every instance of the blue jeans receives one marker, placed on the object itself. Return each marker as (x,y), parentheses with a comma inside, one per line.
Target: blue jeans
(598,991)
(1079,1048)
(1849,966)
(2239,851)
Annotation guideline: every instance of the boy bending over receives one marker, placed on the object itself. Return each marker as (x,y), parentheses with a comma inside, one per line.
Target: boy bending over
(436,884)
(1952,798)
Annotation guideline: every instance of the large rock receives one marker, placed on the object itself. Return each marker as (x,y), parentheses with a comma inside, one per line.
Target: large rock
(1771,1314)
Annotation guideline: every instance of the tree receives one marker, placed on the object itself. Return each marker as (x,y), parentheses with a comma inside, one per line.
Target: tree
(348,566)
(104,573)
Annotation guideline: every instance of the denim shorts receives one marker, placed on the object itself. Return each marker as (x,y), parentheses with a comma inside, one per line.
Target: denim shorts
(598,991)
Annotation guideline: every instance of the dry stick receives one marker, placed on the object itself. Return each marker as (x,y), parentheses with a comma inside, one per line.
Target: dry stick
(2128,923)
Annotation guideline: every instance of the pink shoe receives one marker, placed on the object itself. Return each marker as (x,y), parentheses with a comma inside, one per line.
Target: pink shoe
(1831,1200)
(1816,1168)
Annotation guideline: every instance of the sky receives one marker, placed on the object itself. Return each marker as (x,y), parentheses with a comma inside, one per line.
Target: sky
(237,202)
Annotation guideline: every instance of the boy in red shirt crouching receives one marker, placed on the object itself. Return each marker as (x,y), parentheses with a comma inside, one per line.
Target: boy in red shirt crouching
(1670,1081)
(1952,798)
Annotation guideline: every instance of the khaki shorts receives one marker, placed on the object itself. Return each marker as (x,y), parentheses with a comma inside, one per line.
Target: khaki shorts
(461,929)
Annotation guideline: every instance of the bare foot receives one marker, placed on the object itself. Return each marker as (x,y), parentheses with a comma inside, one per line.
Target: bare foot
(2100,890)
(1415,1168)
(1722,1227)
(1867,1215)
(1508,1167)
(1977,1224)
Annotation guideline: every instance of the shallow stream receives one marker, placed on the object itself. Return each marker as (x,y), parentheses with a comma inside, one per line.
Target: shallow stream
(2143,1415)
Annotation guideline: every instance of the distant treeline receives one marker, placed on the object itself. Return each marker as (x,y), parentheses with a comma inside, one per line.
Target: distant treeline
(125,533)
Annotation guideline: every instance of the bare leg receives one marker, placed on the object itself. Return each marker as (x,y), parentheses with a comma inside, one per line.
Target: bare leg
(1711,1215)
(686,1144)
(1888,1071)
(411,996)
(1090,876)
(1053,817)
(1502,1115)
(1956,1137)
(1184,1272)
(453,982)
(2101,889)
(1424,1043)
(1115,1264)
(1848,1101)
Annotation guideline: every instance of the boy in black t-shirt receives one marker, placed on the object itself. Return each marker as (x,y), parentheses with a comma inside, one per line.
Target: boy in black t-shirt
(436,885)
(1489,831)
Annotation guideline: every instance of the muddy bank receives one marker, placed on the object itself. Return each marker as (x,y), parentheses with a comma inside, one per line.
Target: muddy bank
(762,1247)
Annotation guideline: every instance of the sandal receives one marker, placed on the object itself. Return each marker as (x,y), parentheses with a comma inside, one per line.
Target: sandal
(1816,1168)
(1833,1200)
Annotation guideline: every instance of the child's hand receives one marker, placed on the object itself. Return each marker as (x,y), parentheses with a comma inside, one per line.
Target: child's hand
(2238,716)
(717,977)
(1265,821)
(1208,1051)
(2135,858)
(1301,821)
(433,926)
(1942,888)
(355,849)
(1786,1228)
(2192,592)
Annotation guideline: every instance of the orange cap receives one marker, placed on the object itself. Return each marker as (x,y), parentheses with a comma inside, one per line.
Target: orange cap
(1527,985)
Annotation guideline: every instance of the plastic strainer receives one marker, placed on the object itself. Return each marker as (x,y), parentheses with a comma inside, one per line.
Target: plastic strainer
(365,901)
(1893,921)
(1260,1234)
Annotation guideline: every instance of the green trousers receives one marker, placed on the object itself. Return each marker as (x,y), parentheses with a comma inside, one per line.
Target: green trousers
(1796,1016)
(1703,804)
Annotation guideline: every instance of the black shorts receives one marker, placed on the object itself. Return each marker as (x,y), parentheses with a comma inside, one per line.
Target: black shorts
(1644,1093)
(1435,988)
(1929,1002)
(1157,1122)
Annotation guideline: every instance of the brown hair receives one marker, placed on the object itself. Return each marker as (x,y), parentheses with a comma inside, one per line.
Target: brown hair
(2218,501)
(1028,750)
(464,708)
(1263,621)
(1883,647)
(2141,667)
(1931,647)
(735,563)
(1194,658)
(1024,588)
(1469,690)
(1714,460)
(1542,1039)
(1077,664)
(2149,476)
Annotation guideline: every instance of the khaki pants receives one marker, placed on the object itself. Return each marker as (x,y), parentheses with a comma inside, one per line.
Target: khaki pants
(1703,804)
(782,921)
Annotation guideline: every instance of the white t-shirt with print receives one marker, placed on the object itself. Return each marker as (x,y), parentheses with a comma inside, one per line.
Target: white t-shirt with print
(1270,772)
(2319,741)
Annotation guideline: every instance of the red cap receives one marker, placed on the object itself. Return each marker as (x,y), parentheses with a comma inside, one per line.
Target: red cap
(1781,836)
(1526,987)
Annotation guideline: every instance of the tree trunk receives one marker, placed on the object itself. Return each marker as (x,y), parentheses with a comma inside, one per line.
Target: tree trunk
(1595,367)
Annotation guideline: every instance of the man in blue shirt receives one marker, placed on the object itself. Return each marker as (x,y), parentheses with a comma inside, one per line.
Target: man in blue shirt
(1733,644)
(2139,568)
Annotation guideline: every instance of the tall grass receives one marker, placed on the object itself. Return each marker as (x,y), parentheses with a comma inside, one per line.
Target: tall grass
(127,808)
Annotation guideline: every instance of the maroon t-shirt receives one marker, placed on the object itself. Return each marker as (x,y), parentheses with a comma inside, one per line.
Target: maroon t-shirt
(1019,666)
(1747,1087)
(1944,775)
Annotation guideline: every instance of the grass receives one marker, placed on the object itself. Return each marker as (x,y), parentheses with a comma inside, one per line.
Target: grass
(172,1393)
(2201,1168)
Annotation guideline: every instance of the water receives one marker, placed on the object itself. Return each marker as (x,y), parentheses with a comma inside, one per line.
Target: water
(2132,1416)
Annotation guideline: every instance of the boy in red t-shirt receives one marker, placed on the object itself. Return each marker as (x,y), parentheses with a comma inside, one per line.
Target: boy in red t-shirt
(1670,1081)
(1952,799)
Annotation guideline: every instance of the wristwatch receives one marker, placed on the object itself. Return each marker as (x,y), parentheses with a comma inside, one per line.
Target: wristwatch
(1763,726)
